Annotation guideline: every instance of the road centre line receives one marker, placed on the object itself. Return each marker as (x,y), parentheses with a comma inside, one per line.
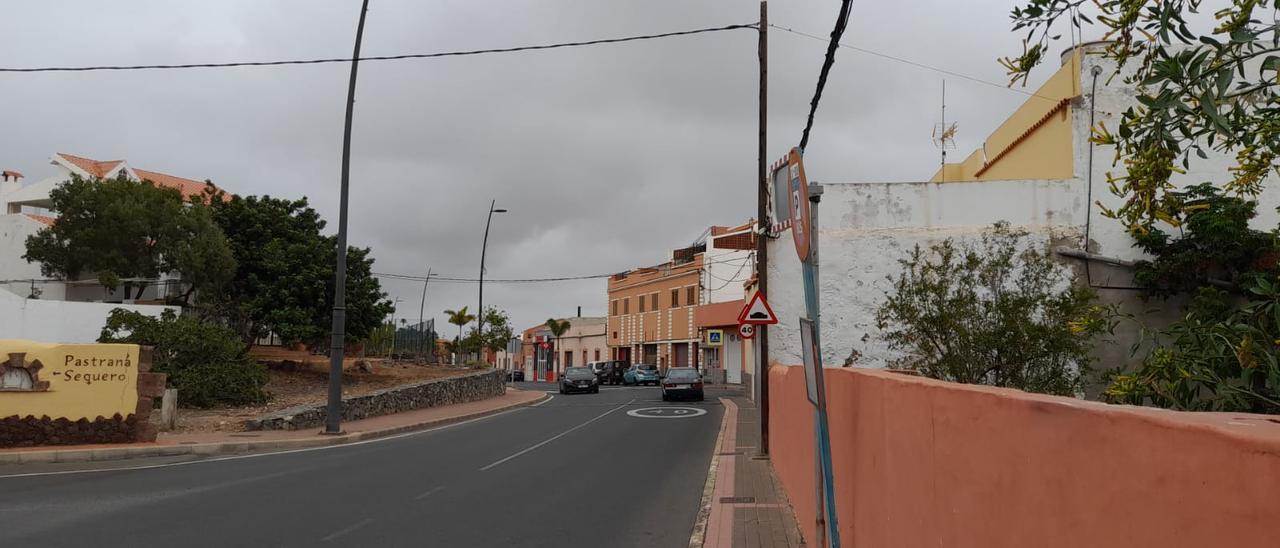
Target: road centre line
(557,436)
(357,525)
(433,491)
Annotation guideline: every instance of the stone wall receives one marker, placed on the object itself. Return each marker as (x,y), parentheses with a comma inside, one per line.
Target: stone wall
(432,393)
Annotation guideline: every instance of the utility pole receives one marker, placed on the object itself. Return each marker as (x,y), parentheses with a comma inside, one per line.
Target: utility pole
(762,233)
(422,321)
(337,334)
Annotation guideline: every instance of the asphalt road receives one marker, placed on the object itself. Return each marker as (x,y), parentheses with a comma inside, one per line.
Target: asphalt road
(574,471)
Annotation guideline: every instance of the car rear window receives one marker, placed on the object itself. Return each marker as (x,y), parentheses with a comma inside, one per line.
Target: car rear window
(682,375)
(648,368)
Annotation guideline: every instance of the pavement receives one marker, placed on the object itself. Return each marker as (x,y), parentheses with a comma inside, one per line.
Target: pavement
(215,443)
(749,507)
(619,468)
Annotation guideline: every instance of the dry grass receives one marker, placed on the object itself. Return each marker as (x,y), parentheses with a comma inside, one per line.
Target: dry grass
(299,378)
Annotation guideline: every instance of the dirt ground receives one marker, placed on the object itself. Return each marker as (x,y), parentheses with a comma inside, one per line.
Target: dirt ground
(298,378)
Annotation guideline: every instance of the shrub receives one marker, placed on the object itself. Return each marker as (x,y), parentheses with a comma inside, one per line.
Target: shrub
(995,312)
(206,362)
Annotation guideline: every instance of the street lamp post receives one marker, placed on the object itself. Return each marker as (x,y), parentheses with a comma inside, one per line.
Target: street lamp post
(483,247)
(337,334)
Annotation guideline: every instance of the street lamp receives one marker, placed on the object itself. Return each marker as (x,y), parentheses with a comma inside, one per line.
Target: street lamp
(483,247)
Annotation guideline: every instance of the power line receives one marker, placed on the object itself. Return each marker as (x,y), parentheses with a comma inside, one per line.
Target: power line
(842,21)
(450,279)
(917,64)
(381,57)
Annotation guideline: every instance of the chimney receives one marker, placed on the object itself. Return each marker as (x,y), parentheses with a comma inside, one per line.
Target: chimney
(9,183)
(579,311)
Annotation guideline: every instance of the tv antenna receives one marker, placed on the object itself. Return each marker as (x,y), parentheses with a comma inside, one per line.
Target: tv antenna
(944,136)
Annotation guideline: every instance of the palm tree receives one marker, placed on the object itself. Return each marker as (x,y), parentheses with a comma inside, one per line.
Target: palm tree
(459,318)
(557,327)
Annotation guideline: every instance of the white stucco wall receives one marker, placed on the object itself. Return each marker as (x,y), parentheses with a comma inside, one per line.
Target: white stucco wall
(58,321)
(14,230)
(725,272)
(865,228)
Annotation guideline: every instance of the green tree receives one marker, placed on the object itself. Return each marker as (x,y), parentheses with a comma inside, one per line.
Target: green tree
(284,277)
(1221,354)
(1221,95)
(204,361)
(460,318)
(558,328)
(125,232)
(497,330)
(999,311)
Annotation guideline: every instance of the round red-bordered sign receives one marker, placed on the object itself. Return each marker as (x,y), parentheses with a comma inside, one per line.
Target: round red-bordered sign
(798,198)
(746,330)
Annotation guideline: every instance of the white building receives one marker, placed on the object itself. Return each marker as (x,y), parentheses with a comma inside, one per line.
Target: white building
(1038,171)
(65,311)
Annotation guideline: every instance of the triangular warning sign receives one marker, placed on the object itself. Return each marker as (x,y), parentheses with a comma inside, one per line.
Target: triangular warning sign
(757,312)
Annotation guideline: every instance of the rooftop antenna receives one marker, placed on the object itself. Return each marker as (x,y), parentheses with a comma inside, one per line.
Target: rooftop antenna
(944,136)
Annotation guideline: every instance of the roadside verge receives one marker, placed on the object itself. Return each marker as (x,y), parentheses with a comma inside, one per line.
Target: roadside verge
(227,443)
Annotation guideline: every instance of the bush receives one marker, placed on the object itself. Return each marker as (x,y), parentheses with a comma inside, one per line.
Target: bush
(206,362)
(995,312)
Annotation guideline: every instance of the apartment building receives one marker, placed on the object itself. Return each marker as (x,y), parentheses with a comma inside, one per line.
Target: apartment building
(656,314)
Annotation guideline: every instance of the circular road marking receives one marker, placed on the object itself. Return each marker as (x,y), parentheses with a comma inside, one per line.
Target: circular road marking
(667,412)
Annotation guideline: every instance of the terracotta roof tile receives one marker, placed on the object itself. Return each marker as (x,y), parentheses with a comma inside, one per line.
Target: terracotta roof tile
(188,187)
(94,167)
(42,219)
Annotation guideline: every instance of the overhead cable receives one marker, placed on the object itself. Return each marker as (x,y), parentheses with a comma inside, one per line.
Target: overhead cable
(449,279)
(917,64)
(379,57)
(842,21)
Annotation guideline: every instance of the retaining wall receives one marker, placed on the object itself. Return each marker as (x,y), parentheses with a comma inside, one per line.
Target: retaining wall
(920,462)
(466,388)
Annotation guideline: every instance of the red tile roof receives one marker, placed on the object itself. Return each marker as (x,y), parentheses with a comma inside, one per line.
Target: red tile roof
(188,187)
(10,173)
(718,314)
(42,219)
(94,167)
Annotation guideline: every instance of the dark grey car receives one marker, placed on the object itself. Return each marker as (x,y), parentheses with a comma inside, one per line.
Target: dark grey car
(579,379)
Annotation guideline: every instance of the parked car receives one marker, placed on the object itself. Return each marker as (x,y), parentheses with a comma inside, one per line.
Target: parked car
(682,382)
(641,373)
(608,371)
(517,375)
(579,379)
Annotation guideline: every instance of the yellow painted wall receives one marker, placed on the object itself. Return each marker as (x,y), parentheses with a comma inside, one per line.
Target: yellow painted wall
(85,380)
(1033,143)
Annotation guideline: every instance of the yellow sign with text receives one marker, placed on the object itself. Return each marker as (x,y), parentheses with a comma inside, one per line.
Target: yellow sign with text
(71,381)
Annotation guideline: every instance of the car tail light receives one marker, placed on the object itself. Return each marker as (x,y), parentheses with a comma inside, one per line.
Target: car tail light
(698,385)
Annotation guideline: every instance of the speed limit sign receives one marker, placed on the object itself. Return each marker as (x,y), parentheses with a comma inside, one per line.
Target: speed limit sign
(746,330)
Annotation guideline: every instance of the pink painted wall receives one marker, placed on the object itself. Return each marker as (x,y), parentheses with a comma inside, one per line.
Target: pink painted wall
(920,462)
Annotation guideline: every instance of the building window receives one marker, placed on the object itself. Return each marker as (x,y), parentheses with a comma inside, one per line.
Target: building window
(597,354)
(615,308)
(653,301)
(626,305)
(690,296)
(675,298)
(641,303)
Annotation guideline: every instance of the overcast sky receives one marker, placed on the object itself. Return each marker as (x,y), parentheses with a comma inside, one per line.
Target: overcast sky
(607,156)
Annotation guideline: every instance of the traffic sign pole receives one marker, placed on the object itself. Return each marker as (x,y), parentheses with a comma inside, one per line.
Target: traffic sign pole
(805,217)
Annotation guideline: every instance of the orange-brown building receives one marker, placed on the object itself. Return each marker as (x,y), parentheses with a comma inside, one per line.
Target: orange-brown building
(651,312)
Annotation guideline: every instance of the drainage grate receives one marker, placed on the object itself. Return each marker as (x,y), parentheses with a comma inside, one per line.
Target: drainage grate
(737,500)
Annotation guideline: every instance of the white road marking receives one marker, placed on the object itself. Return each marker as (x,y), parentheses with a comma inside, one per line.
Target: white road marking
(677,412)
(557,436)
(544,400)
(256,455)
(429,493)
(357,525)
